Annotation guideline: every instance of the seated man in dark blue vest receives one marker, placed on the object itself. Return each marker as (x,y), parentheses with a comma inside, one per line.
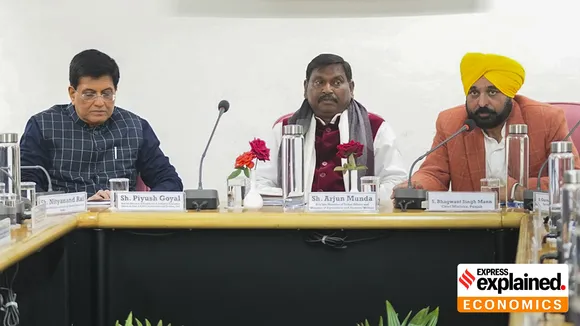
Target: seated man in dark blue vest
(88,142)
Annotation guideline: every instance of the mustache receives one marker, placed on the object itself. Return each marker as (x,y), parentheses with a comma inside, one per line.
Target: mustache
(486,110)
(327,97)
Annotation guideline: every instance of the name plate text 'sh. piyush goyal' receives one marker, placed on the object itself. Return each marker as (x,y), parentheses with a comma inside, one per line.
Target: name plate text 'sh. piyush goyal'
(507,288)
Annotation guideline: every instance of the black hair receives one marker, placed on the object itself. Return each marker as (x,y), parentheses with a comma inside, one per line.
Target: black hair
(92,63)
(327,59)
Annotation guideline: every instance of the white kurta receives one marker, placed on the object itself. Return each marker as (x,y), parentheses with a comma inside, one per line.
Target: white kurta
(388,159)
(495,166)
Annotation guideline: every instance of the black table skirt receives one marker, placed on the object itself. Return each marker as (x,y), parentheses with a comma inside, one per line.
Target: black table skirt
(252,277)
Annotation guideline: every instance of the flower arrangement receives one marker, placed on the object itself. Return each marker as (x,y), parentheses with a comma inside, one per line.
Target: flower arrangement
(248,160)
(259,149)
(350,151)
(244,163)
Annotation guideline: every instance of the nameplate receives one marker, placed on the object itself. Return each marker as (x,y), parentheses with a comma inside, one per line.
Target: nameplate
(342,202)
(150,201)
(39,220)
(64,203)
(448,201)
(5,235)
(541,201)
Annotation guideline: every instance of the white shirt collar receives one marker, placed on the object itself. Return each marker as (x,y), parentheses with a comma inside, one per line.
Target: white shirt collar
(487,137)
(332,121)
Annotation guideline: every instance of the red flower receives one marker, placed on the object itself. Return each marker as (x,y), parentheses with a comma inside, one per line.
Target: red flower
(352,147)
(260,150)
(246,160)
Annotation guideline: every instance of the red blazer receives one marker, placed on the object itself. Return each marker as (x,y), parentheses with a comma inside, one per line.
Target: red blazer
(462,160)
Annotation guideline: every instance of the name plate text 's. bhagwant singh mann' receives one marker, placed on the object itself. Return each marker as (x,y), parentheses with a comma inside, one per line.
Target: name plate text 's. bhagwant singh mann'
(507,288)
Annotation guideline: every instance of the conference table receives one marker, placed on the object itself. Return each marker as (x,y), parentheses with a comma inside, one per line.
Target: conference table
(253,268)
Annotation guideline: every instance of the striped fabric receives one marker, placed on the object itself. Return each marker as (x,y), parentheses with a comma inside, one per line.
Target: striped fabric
(84,158)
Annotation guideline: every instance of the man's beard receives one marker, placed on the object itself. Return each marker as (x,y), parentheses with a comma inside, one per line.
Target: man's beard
(493,119)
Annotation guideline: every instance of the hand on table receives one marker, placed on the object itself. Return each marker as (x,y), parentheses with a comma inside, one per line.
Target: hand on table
(101,195)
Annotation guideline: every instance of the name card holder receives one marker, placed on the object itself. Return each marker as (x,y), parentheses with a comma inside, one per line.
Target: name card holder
(5,234)
(459,201)
(541,202)
(143,201)
(62,204)
(39,220)
(347,202)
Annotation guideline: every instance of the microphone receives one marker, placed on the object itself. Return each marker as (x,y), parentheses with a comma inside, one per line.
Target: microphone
(529,193)
(409,197)
(199,199)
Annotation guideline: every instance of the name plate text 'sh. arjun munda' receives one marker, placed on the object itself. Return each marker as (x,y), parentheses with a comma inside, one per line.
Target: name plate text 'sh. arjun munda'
(353,202)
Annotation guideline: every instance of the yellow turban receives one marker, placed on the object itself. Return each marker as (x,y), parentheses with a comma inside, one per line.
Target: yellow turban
(504,73)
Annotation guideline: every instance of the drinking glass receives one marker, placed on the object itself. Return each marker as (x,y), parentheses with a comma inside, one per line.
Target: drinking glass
(8,203)
(371,184)
(117,185)
(236,192)
(28,190)
(491,185)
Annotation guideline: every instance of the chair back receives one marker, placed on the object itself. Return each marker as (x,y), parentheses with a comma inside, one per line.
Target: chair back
(141,186)
(572,111)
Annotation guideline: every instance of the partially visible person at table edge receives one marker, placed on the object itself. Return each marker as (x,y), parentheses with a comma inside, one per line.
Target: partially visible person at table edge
(490,83)
(89,141)
(330,116)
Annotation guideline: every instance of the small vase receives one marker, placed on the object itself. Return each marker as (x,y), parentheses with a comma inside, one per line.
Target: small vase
(352,176)
(253,199)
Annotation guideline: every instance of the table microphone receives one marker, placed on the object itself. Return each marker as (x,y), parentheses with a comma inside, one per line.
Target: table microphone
(198,199)
(529,193)
(412,198)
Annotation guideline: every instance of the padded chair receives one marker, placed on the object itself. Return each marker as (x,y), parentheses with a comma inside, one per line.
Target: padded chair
(572,111)
(141,186)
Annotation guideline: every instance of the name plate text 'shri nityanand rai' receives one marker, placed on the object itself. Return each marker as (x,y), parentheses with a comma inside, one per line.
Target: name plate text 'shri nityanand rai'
(61,204)
(507,288)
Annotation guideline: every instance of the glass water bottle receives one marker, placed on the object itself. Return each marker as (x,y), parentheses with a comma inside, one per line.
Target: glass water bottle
(293,192)
(517,161)
(566,226)
(10,163)
(574,311)
(560,160)
(11,205)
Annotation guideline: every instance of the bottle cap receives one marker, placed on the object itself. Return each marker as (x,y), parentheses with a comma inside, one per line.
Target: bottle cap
(292,130)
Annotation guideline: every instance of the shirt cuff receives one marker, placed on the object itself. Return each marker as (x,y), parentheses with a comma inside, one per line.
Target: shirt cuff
(513,191)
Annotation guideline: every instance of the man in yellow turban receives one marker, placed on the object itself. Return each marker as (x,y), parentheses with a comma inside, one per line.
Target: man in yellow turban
(490,83)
